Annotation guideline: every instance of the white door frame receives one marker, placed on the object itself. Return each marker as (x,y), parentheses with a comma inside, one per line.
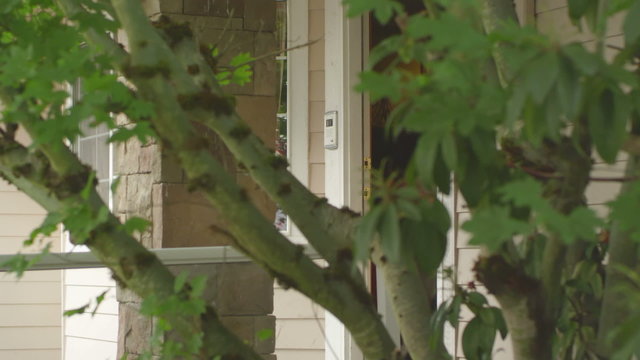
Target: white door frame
(344,48)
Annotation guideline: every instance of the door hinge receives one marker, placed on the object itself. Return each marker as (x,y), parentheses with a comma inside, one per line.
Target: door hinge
(366,163)
(366,192)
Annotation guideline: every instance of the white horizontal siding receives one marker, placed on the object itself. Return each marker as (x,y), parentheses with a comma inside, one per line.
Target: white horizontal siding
(300,334)
(90,336)
(16,203)
(5,186)
(30,309)
(85,349)
(30,315)
(300,355)
(32,276)
(77,296)
(99,327)
(40,354)
(19,225)
(89,277)
(14,244)
(299,326)
(30,293)
(27,338)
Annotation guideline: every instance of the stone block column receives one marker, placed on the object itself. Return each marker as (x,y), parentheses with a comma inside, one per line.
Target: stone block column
(153,186)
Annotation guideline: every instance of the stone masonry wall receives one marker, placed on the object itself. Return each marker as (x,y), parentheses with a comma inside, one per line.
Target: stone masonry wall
(154,187)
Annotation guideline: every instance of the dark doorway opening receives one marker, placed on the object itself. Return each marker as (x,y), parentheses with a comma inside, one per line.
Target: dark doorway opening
(389,153)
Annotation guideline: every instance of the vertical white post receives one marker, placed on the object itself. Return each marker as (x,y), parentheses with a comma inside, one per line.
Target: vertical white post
(343,166)
(298,89)
(298,98)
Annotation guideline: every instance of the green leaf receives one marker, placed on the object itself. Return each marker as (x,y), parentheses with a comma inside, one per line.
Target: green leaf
(425,242)
(264,334)
(453,317)
(99,299)
(584,222)
(76,311)
(382,9)
(223,77)
(449,151)
(90,185)
(425,156)
(585,61)
(366,230)
(408,209)
(441,175)
(578,8)
(624,210)
(389,228)
(631,25)
(476,301)
(569,89)
(136,224)
(607,117)
(48,226)
(242,72)
(541,74)
(241,59)
(492,226)
(524,193)
(516,103)
(627,335)
(115,183)
(180,281)
(380,85)
(17,264)
(477,340)
(198,285)
(242,75)
(499,322)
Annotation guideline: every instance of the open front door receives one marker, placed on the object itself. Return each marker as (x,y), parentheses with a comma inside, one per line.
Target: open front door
(384,154)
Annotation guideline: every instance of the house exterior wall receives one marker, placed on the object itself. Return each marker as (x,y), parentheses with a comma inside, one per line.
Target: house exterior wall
(30,309)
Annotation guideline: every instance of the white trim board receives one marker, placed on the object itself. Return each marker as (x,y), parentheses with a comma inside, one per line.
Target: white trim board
(169,256)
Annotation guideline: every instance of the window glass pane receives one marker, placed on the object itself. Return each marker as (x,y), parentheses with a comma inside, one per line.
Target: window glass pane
(281,220)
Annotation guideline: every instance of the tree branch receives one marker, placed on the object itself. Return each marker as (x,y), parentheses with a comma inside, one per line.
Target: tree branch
(165,77)
(411,307)
(495,13)
(328,229)
(519,298)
